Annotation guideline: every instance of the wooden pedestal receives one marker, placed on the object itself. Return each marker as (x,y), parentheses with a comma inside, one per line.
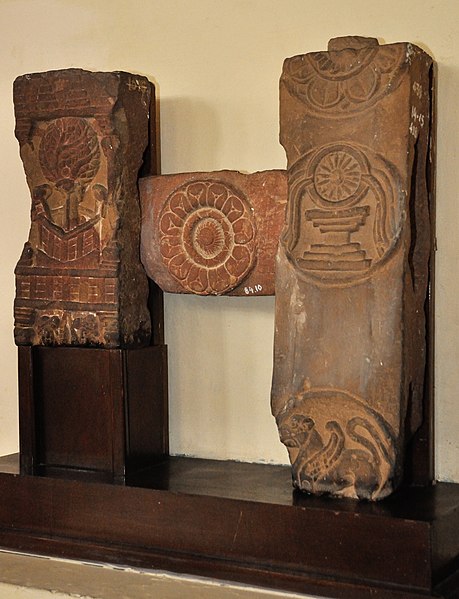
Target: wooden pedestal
(242,522)
(101,413)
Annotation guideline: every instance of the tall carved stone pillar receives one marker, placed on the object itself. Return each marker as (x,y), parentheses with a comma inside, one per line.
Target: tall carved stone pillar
(352,266)
(79,281)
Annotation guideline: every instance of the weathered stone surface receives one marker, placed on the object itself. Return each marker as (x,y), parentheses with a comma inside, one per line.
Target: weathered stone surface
(213,233)
(79,280)
(352,266)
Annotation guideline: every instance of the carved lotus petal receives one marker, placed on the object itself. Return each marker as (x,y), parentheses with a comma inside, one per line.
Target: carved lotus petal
(347,80)
(386,59)
(177,206)
(169,222)
(298,70)
(242,257)
(243,231)
(169,250)
(193,197)
(216,194)
(233,208)
(218,279)
(197,279)
(360,88)
(179,266)
(325,93)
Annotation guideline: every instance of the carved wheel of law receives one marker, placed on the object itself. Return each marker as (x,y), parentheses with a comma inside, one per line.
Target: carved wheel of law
(337,175)
(207,237)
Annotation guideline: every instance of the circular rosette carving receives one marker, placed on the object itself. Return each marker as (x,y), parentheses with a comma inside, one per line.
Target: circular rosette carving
(207,237)
(344,81)
(69,152)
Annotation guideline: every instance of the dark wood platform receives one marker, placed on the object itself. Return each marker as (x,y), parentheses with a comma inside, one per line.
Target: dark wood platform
(241,522)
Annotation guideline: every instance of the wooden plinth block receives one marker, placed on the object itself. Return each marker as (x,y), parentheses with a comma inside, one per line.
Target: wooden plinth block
(94,412)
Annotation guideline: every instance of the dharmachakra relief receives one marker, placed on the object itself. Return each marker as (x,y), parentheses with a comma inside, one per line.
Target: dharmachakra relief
(345,213)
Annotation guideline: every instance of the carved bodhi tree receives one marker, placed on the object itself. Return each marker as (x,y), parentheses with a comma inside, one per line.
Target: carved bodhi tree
(352,266)
(97,407)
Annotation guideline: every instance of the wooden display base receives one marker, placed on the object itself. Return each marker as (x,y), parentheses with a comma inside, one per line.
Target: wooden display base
(242,522)
(94,412)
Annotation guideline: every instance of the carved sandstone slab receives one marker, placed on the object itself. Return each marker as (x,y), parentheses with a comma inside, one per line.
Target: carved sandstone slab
(352,266)
(79,280)
(213,233)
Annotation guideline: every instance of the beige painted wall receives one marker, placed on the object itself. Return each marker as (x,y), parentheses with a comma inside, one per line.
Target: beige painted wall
(217,65)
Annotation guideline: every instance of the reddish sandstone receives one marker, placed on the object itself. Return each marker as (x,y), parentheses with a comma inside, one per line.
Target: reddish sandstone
(212,233)
(79,281)
(353,264)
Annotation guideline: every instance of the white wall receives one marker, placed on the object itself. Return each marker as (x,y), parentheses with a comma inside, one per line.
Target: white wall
(217,65)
